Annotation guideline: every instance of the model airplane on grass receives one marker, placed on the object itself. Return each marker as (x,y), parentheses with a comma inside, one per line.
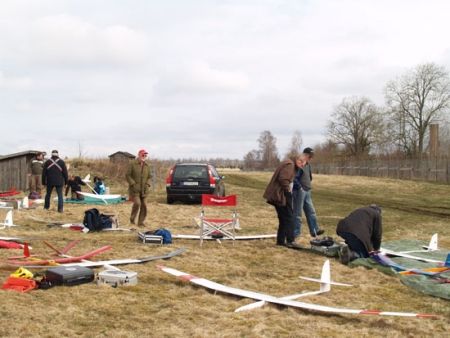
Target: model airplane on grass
(66,260)
(8,222)
(432,246)
(430,272)
(325,286)
(30,261)
(281,301)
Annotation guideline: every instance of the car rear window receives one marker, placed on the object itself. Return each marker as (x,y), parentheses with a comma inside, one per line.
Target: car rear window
(191,171)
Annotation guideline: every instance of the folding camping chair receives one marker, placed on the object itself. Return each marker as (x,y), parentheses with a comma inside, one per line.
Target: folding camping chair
(218,227)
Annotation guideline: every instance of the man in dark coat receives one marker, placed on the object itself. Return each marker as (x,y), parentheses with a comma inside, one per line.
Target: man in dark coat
(279,194)
(54,175)
(362,231)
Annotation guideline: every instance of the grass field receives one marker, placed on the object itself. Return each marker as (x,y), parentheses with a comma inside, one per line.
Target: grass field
(162,306)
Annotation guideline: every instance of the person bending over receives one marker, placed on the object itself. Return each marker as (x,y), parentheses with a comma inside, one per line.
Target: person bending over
(362,231)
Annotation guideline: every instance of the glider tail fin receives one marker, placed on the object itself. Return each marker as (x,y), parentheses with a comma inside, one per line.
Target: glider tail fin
(433,246)
(325,277)
(26,250)
(447,261)
(9,219)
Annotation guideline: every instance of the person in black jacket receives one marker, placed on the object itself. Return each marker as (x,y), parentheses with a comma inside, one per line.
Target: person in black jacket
(54,175)
(362,231)
(74,184)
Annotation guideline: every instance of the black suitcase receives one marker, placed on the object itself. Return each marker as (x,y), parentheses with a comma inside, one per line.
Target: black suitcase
(69,275)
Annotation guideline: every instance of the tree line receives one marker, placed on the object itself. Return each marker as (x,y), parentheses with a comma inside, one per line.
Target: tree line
(358,128)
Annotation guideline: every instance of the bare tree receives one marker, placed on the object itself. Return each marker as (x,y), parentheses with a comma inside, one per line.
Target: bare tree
(357,124)
(252,160)
(296,144)
(415,100)
(268,148)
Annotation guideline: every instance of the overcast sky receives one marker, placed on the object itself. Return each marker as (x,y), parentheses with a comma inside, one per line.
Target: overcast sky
(194,78)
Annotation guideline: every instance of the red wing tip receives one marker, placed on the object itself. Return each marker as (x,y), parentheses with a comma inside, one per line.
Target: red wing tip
(370,312)
(159,266)
(425,315)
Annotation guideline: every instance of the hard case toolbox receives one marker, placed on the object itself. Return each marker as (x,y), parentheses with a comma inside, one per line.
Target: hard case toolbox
(117,277)
(150,238)
(69,275)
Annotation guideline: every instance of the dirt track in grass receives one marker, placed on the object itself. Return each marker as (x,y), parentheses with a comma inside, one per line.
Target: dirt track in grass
(162,306)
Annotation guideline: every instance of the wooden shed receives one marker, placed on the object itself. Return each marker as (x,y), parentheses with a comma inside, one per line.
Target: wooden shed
(14,169)
(121,156)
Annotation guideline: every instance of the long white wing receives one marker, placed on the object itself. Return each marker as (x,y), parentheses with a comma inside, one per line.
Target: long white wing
(267,298)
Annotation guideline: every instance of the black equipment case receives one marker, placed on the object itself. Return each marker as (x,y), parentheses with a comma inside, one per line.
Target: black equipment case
(69,275)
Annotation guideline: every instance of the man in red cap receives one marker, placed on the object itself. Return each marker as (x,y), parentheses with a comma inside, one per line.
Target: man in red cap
(138,177)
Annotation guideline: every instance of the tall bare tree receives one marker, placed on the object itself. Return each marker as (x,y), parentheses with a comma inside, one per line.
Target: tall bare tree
(357,124)
(295,147)
(268,148)
(252,160)
(415,100)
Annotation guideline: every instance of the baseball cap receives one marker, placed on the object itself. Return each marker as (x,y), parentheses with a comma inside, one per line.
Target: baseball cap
(308,151)
(142,151)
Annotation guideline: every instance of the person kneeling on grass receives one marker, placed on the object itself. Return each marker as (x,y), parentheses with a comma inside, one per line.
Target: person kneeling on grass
(362,231)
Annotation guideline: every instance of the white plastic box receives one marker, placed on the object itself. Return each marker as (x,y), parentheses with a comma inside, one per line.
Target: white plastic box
(117,277)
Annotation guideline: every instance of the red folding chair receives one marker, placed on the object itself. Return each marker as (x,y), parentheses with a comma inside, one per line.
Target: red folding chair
(214,226)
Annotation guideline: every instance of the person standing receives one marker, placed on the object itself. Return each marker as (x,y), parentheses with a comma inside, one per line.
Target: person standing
(303,199)
(74,184)
(138,177)
(37,165)
(54,175)
(362,231)
(279,194)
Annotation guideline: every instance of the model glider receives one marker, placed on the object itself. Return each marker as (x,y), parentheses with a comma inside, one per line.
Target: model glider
(8,222)
(82,260)
(10,245)
(280,301)
(28,261)
(95,194)
(325,286)
(250,237)
(432,246)
(430,272)
(9,193)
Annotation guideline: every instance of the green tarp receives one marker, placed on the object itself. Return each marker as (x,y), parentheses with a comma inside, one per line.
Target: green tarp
(424,284)
(88,200)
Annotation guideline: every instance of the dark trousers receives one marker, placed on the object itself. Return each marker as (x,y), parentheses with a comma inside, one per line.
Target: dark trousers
(286,224)
(48,195)
(354,244)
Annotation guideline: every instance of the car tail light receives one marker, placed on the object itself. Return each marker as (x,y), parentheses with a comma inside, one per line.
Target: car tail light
(212,180)
(169,177)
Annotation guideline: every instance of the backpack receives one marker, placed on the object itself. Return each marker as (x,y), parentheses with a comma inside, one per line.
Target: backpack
(92,219)
(165,234)
(105,222)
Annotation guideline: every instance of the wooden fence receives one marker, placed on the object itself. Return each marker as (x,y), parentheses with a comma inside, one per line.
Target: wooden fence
(408,169)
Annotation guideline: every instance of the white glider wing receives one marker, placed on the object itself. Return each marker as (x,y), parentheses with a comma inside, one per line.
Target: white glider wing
(286,302)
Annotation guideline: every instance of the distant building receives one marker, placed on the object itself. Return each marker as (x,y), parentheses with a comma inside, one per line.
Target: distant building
(14,169)
(121,156)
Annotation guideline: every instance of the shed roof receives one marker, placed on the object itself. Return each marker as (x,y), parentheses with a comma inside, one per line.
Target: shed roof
(22,153)
(125,153)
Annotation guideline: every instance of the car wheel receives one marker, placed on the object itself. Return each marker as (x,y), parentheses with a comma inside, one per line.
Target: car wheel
(170,200)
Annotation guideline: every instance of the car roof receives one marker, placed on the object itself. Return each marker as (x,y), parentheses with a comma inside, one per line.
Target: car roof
(193,164)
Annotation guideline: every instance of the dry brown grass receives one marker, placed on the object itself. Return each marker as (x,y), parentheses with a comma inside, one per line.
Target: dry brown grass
(161,306)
